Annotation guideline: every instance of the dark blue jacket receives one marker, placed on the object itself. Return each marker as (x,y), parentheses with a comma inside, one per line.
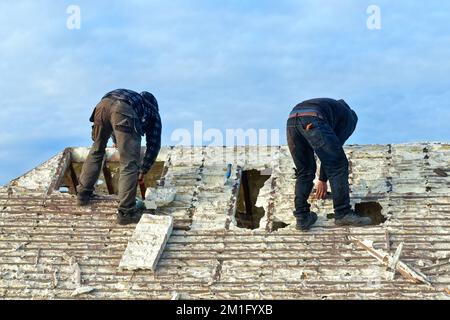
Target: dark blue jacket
(336,112)
(341,118)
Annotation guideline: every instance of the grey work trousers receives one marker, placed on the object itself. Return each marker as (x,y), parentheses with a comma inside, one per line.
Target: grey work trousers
(118,117)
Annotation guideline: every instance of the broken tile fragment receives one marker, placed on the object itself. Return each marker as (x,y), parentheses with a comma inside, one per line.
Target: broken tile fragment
(147,243)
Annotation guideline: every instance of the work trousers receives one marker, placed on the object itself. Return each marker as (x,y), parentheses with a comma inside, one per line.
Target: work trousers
(328,146)
(114,116)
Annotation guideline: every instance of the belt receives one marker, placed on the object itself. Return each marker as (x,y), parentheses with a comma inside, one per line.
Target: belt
(303,114)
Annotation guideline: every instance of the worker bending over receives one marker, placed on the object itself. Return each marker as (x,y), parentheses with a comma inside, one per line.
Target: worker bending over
(322,126)
(126,115)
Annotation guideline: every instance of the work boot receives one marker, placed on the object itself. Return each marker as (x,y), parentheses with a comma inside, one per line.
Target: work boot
(353,219)
(81,202)
(85,199)
(124,218)
(305,221)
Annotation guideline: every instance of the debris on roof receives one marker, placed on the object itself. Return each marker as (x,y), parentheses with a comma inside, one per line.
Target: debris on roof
(211,253)
(393,262)
(161,196)
(147,243)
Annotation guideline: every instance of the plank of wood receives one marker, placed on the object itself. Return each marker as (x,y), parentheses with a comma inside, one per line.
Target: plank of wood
(73,179)
(405,270)
(108,179)
(393,263)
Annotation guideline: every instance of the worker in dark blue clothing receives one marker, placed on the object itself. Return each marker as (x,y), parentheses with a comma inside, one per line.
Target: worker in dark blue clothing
(322,126)
(126,116)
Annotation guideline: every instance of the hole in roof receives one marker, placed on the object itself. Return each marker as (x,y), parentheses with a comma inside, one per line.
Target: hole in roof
(371,209)
(248,215)
(108,182)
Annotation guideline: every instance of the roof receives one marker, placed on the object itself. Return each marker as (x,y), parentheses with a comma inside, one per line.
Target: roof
(48,244)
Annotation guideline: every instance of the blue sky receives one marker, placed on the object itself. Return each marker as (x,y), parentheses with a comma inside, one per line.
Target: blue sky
(232,64)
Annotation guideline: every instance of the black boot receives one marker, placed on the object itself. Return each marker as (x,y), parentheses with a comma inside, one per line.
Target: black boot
(353,219)
(85,199)
(81,202)
(305,221)
(131,217)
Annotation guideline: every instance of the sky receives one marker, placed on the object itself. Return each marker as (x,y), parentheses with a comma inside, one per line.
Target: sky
(230,64)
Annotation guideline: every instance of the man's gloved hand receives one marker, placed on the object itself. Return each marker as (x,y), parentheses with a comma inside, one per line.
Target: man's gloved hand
(321,190)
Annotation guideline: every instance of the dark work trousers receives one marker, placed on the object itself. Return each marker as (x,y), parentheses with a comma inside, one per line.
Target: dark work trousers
(328,145)
(118,117)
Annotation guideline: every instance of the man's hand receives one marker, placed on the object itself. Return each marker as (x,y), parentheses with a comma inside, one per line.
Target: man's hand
(141,177)
(321,192)
(114,146)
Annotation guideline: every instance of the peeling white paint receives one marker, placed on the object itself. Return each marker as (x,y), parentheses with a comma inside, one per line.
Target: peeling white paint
(239,263)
